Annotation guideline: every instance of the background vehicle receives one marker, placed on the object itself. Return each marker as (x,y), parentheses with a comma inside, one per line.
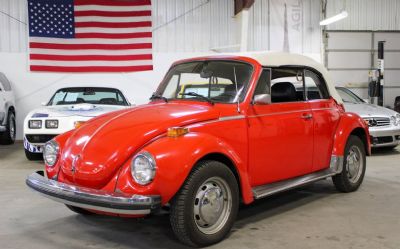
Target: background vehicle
(251,138)
(7,112)
(384,124)
(67,109)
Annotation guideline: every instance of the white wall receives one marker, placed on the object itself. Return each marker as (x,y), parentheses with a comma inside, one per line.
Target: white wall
(32,88)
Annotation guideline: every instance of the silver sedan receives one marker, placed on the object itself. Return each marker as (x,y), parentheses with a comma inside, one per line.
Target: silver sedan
(384,124)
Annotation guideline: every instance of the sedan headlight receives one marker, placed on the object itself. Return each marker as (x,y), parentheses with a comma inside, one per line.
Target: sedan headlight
(51,152)
(143,168)
(395,119)
(35,124)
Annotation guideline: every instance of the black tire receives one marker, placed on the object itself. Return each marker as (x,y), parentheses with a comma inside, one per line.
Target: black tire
(343,181)
(33,156)
(8,136)
(79,210)
(183,205)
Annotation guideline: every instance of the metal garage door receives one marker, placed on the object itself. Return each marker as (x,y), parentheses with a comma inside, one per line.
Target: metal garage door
(349,55)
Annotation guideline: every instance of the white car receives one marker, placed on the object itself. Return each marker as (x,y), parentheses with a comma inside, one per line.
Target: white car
(67,109)
(7,112)
(384,124)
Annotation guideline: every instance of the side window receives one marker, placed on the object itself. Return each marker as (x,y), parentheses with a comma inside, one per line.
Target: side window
(315,87)
(263,84)
(287,85)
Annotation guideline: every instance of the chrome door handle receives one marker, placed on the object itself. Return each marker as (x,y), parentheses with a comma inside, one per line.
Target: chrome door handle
(307,116)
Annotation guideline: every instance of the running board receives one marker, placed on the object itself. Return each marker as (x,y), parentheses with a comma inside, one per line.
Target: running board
(277,187)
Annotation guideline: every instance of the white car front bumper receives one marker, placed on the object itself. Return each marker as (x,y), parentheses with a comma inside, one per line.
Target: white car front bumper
(385,136)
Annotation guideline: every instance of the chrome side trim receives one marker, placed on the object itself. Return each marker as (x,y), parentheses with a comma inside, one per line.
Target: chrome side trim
(99,200)
(290,112)
(231,117)
(262,191)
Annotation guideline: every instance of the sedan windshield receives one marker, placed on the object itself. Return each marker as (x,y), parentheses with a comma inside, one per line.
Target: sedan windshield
(348,96)
(89,95)
(212,81)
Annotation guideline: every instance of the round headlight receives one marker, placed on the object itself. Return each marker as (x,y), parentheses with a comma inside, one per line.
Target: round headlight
(50,153)
(143,168)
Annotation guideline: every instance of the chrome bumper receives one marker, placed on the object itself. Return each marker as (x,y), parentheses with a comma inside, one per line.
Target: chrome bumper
(93,199)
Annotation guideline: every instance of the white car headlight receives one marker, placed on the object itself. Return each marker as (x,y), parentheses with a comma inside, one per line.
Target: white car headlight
(143,168)
(35,124)
(395,119)
(50,153)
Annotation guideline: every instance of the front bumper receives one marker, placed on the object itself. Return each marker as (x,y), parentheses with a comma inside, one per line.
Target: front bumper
(382,137)
(93,199)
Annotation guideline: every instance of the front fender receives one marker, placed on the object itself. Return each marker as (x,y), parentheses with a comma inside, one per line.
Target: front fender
(175,158)
(349,123)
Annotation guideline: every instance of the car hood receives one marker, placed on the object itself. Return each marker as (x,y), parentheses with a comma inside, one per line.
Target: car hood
(83,110)
(94,152)
(368,110)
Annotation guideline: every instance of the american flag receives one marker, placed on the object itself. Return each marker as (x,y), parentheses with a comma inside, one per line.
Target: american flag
(90,35)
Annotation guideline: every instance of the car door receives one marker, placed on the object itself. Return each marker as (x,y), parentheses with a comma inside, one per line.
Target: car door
(325,115)
(280,133)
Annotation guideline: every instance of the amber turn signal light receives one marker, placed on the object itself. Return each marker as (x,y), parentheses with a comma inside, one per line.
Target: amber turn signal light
(78,124)
(177,131)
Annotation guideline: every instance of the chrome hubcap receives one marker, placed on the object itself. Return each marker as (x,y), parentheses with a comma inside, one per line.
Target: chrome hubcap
(354,164)
(212,205)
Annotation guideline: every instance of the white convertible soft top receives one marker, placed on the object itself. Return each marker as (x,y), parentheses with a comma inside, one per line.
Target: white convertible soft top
(276,59)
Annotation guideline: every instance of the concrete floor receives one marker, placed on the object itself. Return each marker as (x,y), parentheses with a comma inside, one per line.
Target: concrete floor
(315,216)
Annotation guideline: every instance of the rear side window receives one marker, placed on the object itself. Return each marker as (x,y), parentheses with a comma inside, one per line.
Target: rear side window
(5,84)
(315,86)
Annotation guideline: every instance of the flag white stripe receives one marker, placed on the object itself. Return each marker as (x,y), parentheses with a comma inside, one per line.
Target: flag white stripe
(112,30)
(90,63)
(112,19)
(90,40)
(89,51)
(111,8)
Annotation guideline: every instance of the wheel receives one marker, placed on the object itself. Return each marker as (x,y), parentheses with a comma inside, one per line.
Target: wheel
(8,136)
(79,210)
(205,208)
(354,165)
(33,156)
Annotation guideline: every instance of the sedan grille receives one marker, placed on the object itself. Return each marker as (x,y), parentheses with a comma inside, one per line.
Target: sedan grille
(377,122)
(39,138)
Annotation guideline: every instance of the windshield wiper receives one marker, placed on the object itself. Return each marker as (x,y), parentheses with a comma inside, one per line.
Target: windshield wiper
(158,96)
(197,95)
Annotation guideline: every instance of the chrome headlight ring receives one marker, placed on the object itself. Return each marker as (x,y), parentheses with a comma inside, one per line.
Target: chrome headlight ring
(51,152)
(143,168)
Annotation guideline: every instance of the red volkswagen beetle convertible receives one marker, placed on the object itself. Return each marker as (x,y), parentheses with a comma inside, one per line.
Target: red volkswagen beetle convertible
(218,131)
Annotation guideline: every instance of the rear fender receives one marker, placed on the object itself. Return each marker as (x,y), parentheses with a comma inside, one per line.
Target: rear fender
(175,159)
(350,123)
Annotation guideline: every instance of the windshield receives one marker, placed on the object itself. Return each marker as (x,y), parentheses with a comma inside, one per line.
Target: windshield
(348,96)
(89,95)
(215,81)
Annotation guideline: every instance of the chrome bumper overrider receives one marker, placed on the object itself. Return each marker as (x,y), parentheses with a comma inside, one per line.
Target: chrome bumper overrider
(93,199)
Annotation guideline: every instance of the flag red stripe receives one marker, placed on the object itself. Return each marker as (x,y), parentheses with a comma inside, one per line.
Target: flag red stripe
(112,2)
(89,46)
(90,57)
(112,13)
(91,69)
(114,35)
(112,24)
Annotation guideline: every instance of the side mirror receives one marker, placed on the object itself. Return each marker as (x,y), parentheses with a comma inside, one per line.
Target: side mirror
(262,99)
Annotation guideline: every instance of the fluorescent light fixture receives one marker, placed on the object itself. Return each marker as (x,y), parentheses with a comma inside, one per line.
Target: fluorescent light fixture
(335,18)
